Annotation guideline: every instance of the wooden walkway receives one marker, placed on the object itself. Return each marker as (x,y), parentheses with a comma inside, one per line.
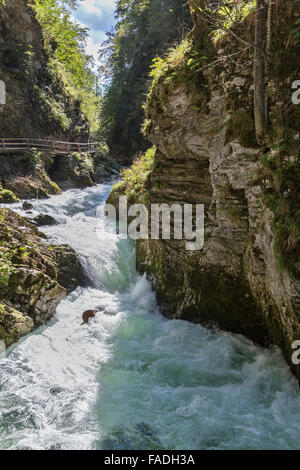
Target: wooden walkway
(54,146)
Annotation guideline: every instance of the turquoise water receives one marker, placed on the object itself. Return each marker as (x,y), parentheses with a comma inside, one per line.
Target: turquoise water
(132,379)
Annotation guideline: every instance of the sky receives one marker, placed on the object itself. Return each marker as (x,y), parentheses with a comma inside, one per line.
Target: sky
(98,16)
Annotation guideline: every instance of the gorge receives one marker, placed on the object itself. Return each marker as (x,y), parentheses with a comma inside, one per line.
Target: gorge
(186,349)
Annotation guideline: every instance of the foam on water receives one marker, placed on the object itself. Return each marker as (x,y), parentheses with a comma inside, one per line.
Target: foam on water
(132,379)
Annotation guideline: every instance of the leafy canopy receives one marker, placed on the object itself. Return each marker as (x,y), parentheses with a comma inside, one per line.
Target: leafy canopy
(65,41)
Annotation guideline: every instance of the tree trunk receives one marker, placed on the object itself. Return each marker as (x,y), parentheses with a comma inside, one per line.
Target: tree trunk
(259,72)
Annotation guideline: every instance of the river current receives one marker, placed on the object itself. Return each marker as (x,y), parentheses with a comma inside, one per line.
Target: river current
(132,379)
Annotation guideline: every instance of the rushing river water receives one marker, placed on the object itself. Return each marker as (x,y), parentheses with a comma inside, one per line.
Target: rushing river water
(132,379)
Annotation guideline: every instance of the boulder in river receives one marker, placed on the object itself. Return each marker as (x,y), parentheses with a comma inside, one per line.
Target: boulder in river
(44,219)
(88,315)
(27,206)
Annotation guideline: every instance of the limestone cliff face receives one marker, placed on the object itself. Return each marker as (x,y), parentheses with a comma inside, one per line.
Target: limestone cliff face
(207,154)
(37,105)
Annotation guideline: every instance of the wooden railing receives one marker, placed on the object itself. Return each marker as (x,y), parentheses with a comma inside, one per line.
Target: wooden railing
(57,147)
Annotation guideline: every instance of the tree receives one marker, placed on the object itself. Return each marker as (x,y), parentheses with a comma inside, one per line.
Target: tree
(65,38)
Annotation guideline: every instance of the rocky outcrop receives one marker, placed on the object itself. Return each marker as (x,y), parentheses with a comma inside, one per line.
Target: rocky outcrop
(73,171)
(25,176)
(206,153)
(81,170)
(70,272)
(194,165)
(234,281)
(33,277)
(38,105)
(13,325)
(38,175)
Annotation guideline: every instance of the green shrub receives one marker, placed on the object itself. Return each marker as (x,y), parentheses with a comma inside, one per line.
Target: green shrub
(134,178)
(7,197)
(5,265)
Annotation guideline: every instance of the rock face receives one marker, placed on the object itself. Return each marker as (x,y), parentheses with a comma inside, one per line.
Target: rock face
(196,166)
(13,325)
(33,277)
(206,153)
(81,170)
(25,176)
(70,272)
(73,171)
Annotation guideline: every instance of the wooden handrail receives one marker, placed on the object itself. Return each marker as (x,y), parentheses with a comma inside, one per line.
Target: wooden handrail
(11,145)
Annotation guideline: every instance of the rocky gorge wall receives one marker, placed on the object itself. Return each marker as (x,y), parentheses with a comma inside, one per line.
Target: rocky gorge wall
(234,281)
(206,153)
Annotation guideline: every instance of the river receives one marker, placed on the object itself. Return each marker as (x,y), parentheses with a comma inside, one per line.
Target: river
(132,379)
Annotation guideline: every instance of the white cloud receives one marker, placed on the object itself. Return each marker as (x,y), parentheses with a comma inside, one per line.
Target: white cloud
(98,16)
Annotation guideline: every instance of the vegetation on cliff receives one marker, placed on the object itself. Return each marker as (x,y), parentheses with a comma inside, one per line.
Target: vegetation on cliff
(46,71)
(143,30)
(194,59)
(133,183)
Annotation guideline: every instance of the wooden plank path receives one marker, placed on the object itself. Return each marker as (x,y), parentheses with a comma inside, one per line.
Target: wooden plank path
(59,148)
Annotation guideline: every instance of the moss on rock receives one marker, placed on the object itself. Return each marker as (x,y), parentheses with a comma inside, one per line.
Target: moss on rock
(7,197)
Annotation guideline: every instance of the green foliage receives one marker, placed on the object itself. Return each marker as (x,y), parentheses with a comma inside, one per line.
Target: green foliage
(232,13)
(241,127)
(296,30)
(280,178)
(134,178)
(144,29)
(103,159)
(181,65)
(7,197)
(5,265)
(65,41)
(173,61)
